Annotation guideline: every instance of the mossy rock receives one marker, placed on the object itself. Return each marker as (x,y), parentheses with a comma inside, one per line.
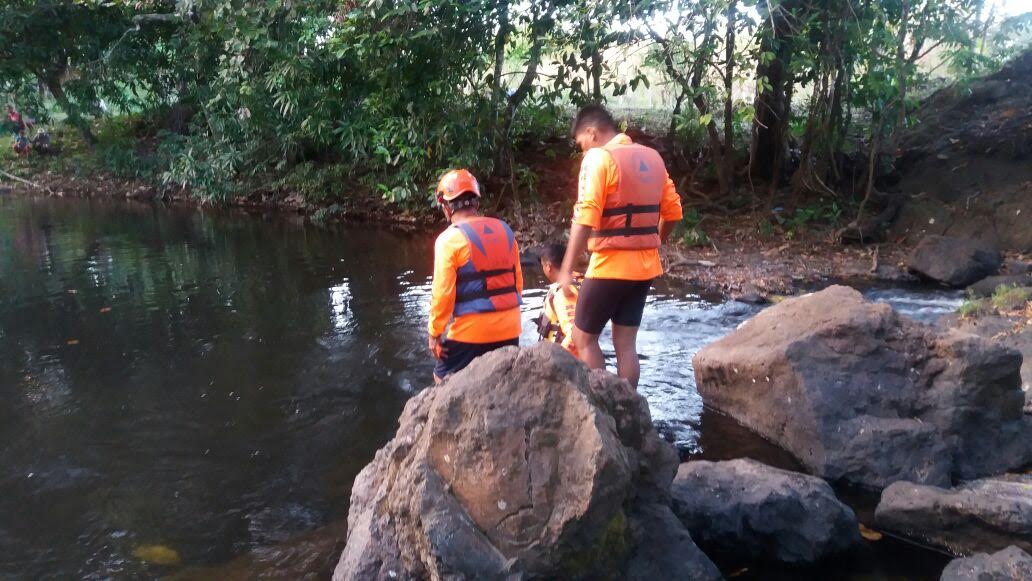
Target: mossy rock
(603,559)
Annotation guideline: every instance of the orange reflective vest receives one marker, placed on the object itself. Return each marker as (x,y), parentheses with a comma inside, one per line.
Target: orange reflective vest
(487,282)
(630,218)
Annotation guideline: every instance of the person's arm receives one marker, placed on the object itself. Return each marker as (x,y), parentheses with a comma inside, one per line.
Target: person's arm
(566,312)
(670,212)
(442,295)
(587,212)
(578,243)
(519,267)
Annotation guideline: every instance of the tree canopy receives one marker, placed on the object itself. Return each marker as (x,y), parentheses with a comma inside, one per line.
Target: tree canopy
(398,90)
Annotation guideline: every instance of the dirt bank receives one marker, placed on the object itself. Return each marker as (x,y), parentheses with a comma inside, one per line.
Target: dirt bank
(965,169)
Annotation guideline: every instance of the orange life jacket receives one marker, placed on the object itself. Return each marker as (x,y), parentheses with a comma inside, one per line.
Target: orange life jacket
(630,218)
(487,282)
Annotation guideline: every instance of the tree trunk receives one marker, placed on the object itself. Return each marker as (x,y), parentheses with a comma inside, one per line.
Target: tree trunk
(773,105)
(729,112)
(497,87)
(53,84)
(901,66)
(537,31)
(596,75)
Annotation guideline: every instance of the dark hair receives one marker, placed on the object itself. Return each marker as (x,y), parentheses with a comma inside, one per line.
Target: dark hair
(592,116)
(553,253)
(465,200)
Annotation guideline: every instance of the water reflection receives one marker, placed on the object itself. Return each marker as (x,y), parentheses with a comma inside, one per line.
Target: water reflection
(214,382)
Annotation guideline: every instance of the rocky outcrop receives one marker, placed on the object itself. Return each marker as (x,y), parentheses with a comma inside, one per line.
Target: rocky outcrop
(756,512)
(965,167)
(955,262)
(983,515)
(1010,564)
(522,465)
(860,394)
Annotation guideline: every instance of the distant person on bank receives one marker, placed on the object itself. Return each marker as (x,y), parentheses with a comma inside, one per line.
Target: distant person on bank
(626,206)
(478,282)
(555,323)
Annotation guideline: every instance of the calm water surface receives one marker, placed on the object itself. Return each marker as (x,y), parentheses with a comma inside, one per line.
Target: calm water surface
(213,382)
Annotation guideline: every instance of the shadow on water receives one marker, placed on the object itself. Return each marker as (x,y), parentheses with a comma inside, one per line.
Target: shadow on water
(212,383)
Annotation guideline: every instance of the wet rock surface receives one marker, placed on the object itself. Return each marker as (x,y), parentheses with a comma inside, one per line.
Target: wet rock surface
(984,515)
(523,464)
(1010,564)
(861,395)
(955,262)
(753,511)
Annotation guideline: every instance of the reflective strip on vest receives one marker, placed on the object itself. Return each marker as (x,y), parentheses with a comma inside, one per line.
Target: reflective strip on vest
(487,283)
(630,218)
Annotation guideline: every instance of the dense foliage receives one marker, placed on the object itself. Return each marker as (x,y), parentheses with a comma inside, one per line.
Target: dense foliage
(391,92)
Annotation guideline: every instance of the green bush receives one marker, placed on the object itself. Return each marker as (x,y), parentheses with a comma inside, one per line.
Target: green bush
(689,231)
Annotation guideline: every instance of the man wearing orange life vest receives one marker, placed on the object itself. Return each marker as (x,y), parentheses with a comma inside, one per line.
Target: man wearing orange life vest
(477,280)
(626,206)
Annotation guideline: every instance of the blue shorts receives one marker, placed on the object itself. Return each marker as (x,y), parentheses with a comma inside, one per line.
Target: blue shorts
(457,355)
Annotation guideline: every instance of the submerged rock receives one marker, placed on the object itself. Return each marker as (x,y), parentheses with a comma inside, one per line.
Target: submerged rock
(522,465)
(860,394)
(956,262)
(1010,564)
(753,511)
(984,515)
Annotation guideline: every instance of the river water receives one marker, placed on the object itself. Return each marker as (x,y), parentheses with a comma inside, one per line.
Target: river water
(211,383)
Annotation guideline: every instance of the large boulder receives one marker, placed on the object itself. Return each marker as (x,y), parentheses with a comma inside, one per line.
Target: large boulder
(982,515)
(1010,564)
(753,511)
(522,465)
(955,262)
(860,394)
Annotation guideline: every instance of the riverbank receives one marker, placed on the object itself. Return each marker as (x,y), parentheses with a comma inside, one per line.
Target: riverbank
(741,255)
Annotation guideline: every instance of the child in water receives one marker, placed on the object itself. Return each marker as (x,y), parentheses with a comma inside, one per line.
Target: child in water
(555,323)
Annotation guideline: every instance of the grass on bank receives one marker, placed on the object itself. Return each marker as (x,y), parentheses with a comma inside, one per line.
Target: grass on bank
(1005,299)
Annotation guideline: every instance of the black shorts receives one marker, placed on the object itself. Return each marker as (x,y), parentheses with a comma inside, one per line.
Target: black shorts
(602,300)
(457,355)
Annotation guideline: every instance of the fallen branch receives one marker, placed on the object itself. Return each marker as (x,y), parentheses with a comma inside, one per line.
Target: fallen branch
(26,182)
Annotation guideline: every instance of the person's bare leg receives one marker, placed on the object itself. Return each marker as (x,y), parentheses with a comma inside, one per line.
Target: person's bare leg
(588,349)
(625,341)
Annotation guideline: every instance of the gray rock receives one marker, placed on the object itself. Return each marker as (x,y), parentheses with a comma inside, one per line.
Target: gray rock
(955,262)
(525,464)
(983,515)
(751,294)
(1010,331)
(860,394)
(987,286)
(1010,564)
(757,512)
(665,549)
(1014,266)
